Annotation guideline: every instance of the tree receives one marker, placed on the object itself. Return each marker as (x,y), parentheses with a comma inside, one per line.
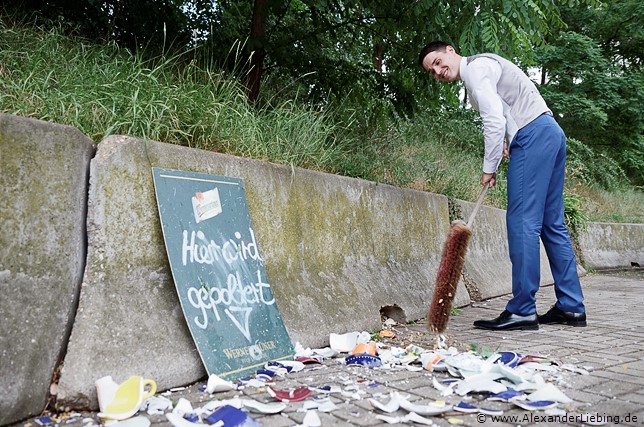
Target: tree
(147,25)
(363,53)
(593,81)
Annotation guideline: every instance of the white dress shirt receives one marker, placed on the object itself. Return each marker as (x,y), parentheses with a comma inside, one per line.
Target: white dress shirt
(506,99)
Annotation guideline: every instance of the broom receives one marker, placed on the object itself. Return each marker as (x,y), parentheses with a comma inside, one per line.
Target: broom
(450,268)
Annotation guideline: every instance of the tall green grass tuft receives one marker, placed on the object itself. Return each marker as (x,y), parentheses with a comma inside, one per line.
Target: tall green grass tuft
(103,90)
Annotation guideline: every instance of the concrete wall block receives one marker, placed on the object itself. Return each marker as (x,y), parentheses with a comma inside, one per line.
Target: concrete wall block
(43,176)
(608,245)
(336,251)
(488,270)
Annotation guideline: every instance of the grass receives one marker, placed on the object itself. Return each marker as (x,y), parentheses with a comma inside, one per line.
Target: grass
(623,206)
(104,90)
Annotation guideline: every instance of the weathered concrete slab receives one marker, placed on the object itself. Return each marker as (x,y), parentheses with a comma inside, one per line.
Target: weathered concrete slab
(43,176)
(488,271)
(336,251)
(608,245)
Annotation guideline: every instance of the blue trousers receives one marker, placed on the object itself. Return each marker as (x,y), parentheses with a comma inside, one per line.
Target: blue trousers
(535,210)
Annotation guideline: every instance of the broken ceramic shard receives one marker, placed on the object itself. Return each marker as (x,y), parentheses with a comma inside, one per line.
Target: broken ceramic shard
(445,389)
(230,416)
(431,409)
(549,391)
(311,419)
(296,395)
(217,384)
(182,407)
(534,406)
(128,398)
(392,406)
(179,421)
(365,348)
(263,408)
(481,383)
(508,358)
(156,405)
(366,360)
(343,343)
(466,408)
(506,395)
(105,390)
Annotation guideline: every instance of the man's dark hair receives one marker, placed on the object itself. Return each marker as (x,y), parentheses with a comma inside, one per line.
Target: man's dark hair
(431,47)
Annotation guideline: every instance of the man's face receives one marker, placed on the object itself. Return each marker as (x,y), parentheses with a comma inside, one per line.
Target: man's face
(443,65)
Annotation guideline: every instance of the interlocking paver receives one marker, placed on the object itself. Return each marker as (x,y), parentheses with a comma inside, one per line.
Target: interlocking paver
(611,347)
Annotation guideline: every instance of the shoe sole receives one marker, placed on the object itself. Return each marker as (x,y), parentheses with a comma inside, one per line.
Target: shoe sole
(513,328)
(567,323)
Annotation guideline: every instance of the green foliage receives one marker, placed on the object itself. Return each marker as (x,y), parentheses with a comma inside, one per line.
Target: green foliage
(574,215)
(152,25)
(595,85)
(588,168)
(103,90)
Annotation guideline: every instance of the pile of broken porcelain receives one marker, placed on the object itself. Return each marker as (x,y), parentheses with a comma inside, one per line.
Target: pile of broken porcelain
(479,381)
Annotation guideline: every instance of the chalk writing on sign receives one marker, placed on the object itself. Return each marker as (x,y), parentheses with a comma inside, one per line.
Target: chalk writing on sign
(219,273)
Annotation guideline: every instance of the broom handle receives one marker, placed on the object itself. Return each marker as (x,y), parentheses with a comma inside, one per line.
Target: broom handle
(478,204)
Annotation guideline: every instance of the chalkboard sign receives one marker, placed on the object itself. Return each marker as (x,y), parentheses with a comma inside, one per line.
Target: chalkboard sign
(219,273)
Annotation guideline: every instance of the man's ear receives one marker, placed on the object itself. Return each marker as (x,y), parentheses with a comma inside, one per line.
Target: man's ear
(449,49)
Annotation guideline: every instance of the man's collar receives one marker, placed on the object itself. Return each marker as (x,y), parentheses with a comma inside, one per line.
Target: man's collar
(462,67)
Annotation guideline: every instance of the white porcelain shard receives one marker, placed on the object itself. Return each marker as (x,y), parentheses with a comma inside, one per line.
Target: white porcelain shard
(535,366)
(535,382)
(429,409)
(511,374)
(413,417)
(106,390)
(300,351)
(263,408)
(389,407)
(311,419)
(549,391)
(388,419)
(179,421)
(327,406)
(464,365)
(156,405)
(326,352)
(293,364)
(446,390)
(481,382)
(216,384)
(343,343)
(182,407)
(573,368)
(235,402)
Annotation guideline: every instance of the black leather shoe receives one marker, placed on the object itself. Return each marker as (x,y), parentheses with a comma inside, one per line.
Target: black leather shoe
(556,315)
(508,321)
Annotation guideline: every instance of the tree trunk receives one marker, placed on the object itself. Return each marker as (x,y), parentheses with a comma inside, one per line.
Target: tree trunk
(377,56)
(256,44)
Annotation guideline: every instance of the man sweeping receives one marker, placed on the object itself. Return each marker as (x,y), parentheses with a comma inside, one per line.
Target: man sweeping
(512,108)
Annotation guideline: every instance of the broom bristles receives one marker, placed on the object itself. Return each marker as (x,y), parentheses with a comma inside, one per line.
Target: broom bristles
(449,273)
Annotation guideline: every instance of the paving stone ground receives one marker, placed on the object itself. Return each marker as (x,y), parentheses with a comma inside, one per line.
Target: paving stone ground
(611,347)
